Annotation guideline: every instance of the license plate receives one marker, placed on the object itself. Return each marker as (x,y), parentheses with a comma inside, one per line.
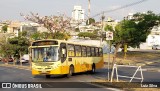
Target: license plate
(43,71)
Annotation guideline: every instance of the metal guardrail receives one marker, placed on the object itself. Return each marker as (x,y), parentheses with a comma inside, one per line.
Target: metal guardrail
(115,67)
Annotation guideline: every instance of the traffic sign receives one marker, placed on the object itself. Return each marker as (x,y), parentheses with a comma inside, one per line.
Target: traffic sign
(109,35)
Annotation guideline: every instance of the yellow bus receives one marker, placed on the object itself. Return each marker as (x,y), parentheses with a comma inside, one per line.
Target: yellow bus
(55,57)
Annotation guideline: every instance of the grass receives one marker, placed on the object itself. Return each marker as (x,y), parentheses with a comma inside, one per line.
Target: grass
(134,57)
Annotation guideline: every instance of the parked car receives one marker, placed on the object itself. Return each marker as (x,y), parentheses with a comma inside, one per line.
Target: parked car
(10,59)
(0,58)
(25,58)
(156,47)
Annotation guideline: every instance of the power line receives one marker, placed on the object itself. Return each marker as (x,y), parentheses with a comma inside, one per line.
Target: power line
(121,7)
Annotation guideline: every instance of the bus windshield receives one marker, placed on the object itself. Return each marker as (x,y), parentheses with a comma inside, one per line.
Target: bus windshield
(45,54)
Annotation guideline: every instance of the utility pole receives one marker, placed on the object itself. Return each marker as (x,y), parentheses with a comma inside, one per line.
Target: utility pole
(102,20)
(89,10)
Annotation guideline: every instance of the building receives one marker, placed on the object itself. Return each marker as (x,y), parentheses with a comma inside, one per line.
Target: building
(78,13)
(77,16)
(154,37)
(130,16)
(110,22)
(14,27)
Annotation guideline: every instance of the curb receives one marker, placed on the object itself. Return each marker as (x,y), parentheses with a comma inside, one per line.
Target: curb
(151,70)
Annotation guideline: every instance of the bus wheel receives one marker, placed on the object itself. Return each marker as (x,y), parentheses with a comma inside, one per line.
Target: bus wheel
(34,76)
(71,71)
(48,76)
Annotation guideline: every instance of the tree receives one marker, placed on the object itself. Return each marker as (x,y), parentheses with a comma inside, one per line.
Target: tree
(62,35)
(19,45)
(45,35)
(4,28)
(77,30)
(91,20)
(35,36)
(108,28)
(134,32)
(5,47)
(54,24)
(87,34)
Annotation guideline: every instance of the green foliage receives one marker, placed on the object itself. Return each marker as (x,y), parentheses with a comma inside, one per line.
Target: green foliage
(61,36)
(24,33)
(125,32)
(46,35)
(5,48)
(135,31)
(91,20)
(4,28)
(108,28)
(19,45)
(77,29)
(36,36)
(95,32)
(13,46)
(87,34)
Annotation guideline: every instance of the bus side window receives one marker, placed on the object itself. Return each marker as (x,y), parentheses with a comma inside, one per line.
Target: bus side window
(93,51)
(100,52)
(78,50)
(88,51)
(63,52)
(71,50)
(96,52)
(84,51)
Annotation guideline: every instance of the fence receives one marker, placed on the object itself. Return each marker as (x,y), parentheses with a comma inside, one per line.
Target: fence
(115,67)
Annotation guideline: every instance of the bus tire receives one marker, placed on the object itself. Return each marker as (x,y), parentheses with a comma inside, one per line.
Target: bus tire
(48,76)
(71,71)
(34,76)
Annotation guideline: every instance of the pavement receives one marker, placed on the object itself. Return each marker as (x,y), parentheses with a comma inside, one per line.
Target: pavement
(102,73)
(151,73)
(11,74)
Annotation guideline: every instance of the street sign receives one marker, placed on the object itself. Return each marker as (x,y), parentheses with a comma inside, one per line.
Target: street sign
(109,35)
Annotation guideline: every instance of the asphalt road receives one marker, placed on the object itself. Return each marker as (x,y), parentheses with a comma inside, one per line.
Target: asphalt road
(154,66)
(8,74)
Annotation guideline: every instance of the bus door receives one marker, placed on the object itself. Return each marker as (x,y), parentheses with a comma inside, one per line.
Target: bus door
(63,57)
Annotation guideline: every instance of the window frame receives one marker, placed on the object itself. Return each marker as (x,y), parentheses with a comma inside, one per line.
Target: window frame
(100,53)
(70,50)
(92,52)
(79,49)
(88,47)
(96,51)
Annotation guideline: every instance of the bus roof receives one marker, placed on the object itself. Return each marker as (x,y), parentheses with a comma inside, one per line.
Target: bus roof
(68,42)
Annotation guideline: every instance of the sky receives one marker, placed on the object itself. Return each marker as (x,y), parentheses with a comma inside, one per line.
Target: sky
(11,9)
